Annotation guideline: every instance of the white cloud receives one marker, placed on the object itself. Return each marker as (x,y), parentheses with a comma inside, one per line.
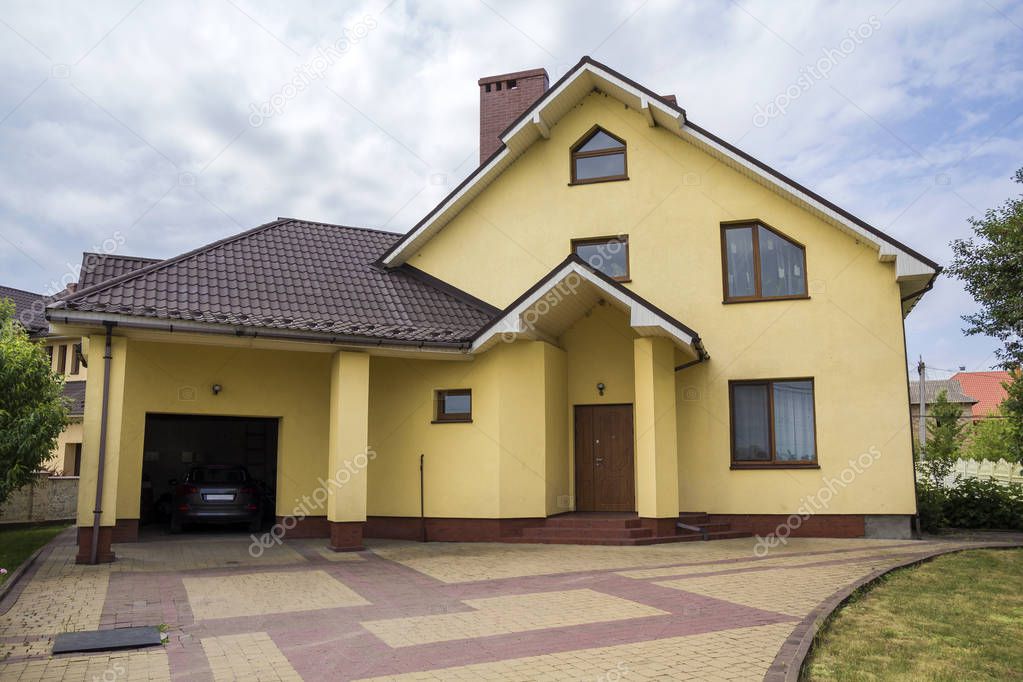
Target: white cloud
(164,89)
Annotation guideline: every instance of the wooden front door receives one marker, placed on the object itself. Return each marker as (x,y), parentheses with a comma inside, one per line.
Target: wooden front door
(604,462)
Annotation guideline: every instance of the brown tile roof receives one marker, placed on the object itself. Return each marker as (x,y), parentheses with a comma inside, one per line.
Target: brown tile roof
(28,309)
(294,275)
(100,267)
(935,386)
(986,388)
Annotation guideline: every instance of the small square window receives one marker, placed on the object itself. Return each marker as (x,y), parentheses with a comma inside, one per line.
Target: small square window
(454,405)
(609,255)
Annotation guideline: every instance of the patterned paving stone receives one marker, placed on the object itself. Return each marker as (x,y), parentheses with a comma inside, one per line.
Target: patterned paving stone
(252,594)
(701,611)
(504,615)
(61,597)
(331,555)
(794,591)
(465,562)
(745,654)
(145,665)
(775,562)
(251,656)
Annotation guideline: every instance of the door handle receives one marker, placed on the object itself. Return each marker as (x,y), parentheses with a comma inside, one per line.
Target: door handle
(598,461)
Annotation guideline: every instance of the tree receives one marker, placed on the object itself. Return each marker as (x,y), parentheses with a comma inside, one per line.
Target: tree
(32,410)
(990,439)
(944,438)
(1012,408)
(991,266)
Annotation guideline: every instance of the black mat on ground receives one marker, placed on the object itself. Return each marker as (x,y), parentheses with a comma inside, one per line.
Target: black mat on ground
(106,640)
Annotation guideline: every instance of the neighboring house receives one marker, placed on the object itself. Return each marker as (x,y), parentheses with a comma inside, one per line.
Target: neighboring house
(616,312)
(986,389)
(934,387)
(65,351)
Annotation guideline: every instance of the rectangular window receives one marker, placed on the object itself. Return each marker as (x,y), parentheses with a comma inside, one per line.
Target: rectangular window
(62,359)
(49,355)
(609,255)
(76,469)
(773,423)
(76,351)
(761,264)
(454,405)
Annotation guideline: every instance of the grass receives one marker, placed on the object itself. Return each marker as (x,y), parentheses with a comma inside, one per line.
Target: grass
(957,617)
(17,544)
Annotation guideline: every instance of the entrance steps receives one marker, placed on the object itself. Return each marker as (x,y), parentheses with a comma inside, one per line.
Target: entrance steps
(599,528)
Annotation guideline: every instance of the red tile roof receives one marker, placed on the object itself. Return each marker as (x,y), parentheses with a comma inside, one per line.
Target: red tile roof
(985,387)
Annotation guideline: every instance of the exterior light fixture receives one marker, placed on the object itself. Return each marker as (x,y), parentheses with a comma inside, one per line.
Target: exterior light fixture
(601,387)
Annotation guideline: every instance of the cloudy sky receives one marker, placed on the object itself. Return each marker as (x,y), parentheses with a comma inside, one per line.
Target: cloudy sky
(144,127)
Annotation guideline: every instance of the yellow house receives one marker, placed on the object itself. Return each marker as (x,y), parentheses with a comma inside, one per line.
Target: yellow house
(619,328)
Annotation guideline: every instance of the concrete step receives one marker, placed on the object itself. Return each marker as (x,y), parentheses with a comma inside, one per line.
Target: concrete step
(595,522)
(596,532)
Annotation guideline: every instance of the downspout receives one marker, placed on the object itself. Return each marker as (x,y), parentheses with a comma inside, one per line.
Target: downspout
(100,465)
(422,500)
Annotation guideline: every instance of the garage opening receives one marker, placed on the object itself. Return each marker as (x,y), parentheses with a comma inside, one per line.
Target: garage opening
(206,473)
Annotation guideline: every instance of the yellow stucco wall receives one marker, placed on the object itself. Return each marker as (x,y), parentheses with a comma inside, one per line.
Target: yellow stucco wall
(176,379)
(499,465)
(848,336)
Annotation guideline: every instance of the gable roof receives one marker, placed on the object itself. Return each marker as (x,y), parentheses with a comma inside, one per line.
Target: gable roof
(29,309)
(985,388)
(561,296)
(311,279)
(934,387)
(100,267)
(913,269)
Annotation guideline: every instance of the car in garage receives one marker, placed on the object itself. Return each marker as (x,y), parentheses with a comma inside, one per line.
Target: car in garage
(217,494)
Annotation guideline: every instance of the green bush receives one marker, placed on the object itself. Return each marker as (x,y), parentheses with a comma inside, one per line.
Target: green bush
(970,503)
(930,505)
(984,504)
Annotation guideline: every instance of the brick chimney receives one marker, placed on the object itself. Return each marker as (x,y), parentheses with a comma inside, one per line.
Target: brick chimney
(502,99)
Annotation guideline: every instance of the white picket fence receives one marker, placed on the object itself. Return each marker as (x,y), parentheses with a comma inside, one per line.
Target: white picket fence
(1001,471)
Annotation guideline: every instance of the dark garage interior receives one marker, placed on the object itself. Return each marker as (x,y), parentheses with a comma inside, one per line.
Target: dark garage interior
(175,443)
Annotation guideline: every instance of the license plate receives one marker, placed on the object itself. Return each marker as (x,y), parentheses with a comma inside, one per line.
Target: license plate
(218,498)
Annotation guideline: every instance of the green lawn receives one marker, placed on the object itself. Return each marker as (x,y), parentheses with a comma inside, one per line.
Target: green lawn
(17,544)
(959,617)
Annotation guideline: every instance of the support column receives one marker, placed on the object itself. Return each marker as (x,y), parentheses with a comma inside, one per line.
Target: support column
(656,433)
(348,450)
(93,426)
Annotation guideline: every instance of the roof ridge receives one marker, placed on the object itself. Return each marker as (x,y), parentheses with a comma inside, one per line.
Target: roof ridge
(117,255)
(346,227)
(153,267)
(23,291)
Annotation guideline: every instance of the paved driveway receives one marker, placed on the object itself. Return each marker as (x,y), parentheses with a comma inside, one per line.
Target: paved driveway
(403,610)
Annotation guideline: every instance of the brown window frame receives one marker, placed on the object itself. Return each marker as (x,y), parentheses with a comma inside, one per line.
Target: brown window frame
(758,285)
(621,238)
(62,359)
(76,354)
(49,354)
(442,417)
(574,154)
(774,462)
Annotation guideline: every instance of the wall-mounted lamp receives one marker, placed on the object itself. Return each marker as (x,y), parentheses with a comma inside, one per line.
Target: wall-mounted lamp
(217,388)
(601,387)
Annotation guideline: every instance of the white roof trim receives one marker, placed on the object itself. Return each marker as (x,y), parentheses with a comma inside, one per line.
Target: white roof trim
(511,325)
(535,124)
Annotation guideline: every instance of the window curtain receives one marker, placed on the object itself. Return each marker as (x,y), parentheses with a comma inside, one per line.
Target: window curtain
(781,266)
(739,247)
(750,422)
(793,421)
